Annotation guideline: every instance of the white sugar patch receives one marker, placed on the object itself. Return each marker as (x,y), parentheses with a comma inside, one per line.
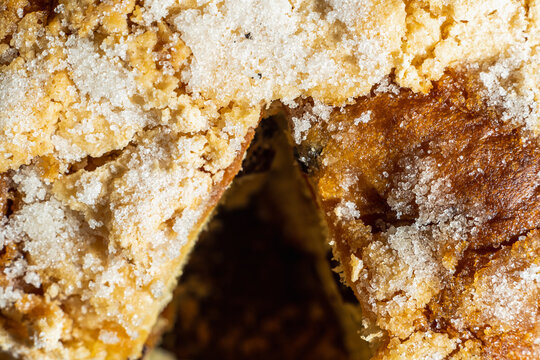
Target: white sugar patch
(440,221)
(505,297)
(32,278)
(30,185)
(106,89)
(90,189)
(346,11)
(8,296)
(13,88)
(312,113)
(347,210)
(97,76)
(508,86)
(108,337)
(301,126)
(364,118)
(531,274)
(156,9)
(261,50)
(16,87)
(66,150)
(386,86)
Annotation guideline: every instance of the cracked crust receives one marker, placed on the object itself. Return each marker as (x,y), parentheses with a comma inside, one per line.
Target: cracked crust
(433,202)
(120,119)
(108,174)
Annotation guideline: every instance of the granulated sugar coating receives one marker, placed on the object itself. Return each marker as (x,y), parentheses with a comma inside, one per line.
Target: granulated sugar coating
(123,121)
(437,224)
(110,169)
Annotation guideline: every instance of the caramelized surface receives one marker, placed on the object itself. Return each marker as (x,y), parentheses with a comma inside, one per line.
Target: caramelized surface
(432,201)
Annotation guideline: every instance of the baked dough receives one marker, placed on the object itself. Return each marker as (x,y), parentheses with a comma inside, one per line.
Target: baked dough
(109,170)
(433,206)
(121,122)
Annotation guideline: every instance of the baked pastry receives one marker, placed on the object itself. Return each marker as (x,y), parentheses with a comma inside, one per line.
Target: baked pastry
(109,170)
(289,305)
(121,123)
(432,202)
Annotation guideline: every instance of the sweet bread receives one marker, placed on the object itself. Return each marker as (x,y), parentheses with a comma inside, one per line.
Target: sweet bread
(109,170)
(432,201)
(122,122)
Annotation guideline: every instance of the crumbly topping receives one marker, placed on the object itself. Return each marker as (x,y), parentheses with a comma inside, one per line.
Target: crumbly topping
(119,119)
(156,10)
(268,50)
(264,50)
(108,337)
(346,210)
(511,85)
(121,167)
(356,265)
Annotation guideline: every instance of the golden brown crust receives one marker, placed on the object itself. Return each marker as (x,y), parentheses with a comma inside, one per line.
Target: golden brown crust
(118,121)
(489,163)
(110,170)
(166,318)
(470,294)
(22,319)
(430,200)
